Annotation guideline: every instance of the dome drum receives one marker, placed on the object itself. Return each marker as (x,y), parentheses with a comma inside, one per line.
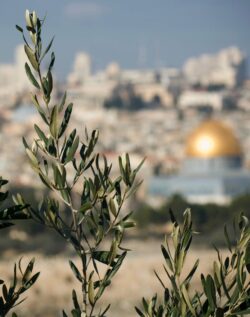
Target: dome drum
(211,165)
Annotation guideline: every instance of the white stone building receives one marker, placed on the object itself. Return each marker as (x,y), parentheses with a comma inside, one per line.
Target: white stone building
(228,68)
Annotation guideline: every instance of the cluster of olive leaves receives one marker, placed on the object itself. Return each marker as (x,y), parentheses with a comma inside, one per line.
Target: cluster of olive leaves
(21,282)
(63,161)
(225,292)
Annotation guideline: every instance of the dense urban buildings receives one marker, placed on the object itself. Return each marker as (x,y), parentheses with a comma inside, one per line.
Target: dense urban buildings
(146,112)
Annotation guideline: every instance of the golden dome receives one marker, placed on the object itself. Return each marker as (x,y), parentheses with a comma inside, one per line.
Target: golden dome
(212,139)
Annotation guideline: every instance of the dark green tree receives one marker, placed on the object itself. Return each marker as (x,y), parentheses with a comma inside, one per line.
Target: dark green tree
(21,282)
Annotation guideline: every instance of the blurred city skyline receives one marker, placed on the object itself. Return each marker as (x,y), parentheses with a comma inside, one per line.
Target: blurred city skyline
(139,72)
(134,34)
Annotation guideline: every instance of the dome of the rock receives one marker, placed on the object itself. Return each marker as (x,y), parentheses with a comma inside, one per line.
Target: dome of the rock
(213,169)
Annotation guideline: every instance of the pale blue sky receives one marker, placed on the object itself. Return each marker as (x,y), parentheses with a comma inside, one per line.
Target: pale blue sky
(135,33)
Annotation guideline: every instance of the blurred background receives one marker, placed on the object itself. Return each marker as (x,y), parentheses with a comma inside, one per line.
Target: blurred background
(166,80)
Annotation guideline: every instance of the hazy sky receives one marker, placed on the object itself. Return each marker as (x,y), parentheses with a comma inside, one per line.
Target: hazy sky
(135,33)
